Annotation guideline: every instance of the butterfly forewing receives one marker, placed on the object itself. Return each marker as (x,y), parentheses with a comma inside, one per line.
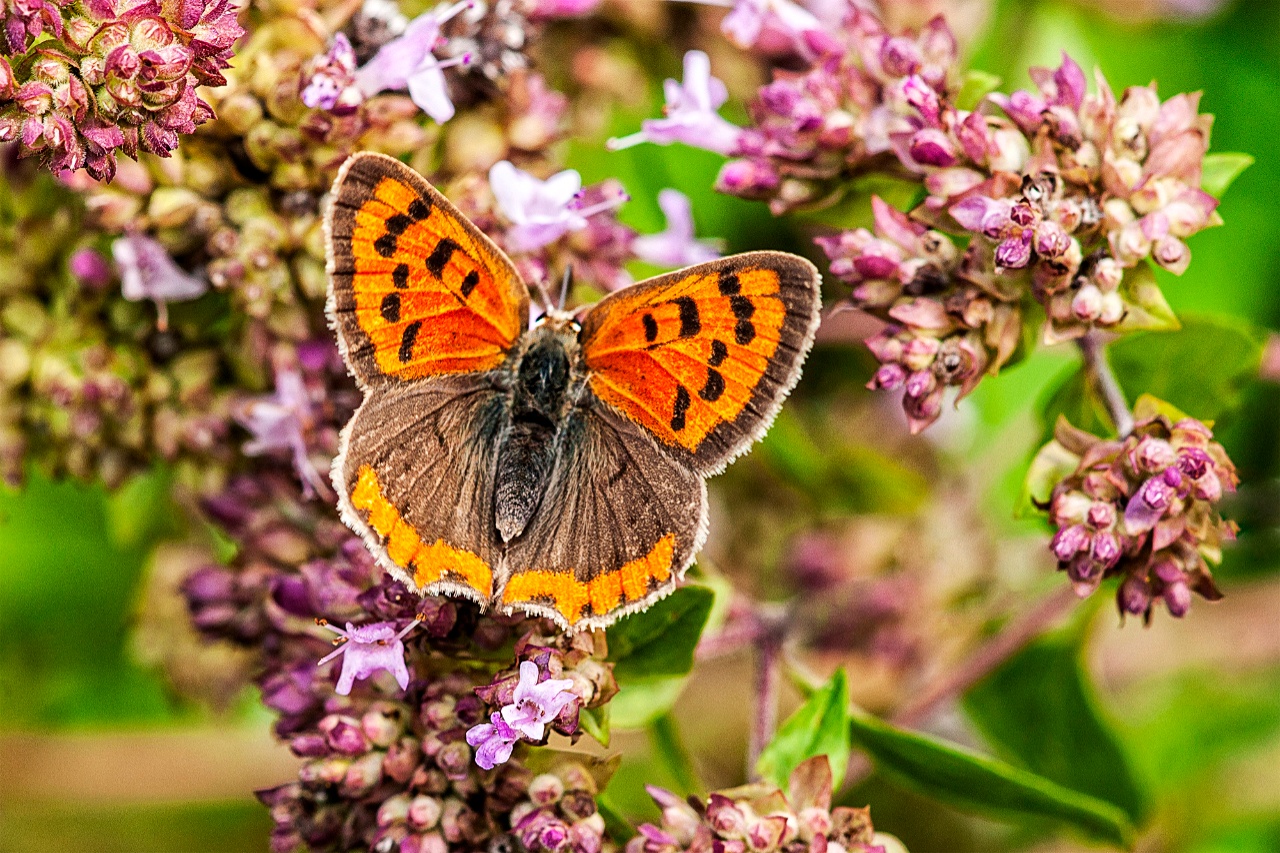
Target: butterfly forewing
(416,289)
(703,357)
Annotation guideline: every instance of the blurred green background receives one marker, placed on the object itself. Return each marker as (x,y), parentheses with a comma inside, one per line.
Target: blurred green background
(98,752)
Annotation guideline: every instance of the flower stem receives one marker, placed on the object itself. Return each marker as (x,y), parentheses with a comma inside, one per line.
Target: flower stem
(984,660)
(768,686)
(1104,379)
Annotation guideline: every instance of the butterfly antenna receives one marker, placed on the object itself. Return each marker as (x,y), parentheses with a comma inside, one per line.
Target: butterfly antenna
(566,285)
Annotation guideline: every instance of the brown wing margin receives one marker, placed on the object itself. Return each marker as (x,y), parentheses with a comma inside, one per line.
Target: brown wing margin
(415,289)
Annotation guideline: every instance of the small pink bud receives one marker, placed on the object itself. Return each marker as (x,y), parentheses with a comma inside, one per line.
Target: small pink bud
(1172,254)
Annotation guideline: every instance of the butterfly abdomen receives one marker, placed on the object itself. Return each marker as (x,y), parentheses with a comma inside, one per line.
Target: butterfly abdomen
(540,398)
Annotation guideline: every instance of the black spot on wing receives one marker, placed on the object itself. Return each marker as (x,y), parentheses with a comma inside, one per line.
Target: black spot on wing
(745,331)
(650,328)
(419,209)
(440,255)
(391,307)
(386,245)
(406,340)
(690,322)
(400,276)
(683,401)
(719,352)
(729,284)
(396,223)
(714,387)
(469,282)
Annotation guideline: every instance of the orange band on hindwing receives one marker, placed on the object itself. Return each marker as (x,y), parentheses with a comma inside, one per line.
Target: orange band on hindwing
(603,593)
(428,562)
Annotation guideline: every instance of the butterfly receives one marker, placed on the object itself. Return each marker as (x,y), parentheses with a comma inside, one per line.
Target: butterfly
(555,467)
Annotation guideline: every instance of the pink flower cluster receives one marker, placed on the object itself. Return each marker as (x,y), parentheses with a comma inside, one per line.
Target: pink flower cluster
(760,817)
(1144,509)
(115,76)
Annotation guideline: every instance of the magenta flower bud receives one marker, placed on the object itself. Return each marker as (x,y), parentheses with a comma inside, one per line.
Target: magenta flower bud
(90,267)
(1069,81)
(1069,541)
(981,215)
(922,96)
(747,178)
(921,383)
(309,745)
(1177,598)
(1153,454)
(767,833)
(889,377)
(879,259)
(1172,254)
(1015,252)
(725,817)
(344,735)
(1106,549)
(972,133)
(1134,596)
(1101,515)
(1052,240)
(1173,477)
(931,147)
(899,56)
(1148,505)
(1023,107)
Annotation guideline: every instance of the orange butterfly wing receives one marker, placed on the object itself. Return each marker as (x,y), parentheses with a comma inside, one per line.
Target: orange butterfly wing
(703,357)
(416,289)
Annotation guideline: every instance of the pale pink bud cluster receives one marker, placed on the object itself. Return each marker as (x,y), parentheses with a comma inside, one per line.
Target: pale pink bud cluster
(760,817)
(118,75)
(946,326)
(1144,509)
(869,93)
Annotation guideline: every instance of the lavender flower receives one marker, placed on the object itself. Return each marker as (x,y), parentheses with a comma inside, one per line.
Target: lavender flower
(676,246)
(771,24)
(331,81)
(535,704)
(493,741)
(368,649)
(690,113)
(147,272)
(541,212)
(407,62)
(280,422)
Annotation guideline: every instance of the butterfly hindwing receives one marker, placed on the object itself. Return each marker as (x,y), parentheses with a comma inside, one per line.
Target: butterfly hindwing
(415,479)
(617,527)
(416,290)
(703,357)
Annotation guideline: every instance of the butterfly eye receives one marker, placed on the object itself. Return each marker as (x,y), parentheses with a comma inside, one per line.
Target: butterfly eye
(575,325)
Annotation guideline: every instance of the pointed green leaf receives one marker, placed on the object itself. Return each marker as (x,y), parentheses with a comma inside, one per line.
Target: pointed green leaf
(1039,711)
(1148,310)
(975,86)
(1220,170)
(660,641)
(595,722)
(819,727)
(642,700)
(982,784)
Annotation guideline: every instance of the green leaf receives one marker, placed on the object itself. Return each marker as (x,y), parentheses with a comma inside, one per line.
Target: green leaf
(818,727)
(975,86)
(1221,170)
(1052,463)
(660,641)
(595,722)
(669,747)
(643,700)
(1148,309)
(1039,711)
(1202,369)
(982,784)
